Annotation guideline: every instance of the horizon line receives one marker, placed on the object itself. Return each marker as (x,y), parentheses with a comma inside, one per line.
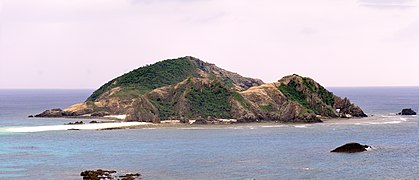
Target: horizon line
(384,86)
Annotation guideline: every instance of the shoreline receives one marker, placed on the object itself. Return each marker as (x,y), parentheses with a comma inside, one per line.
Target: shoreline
(119,125)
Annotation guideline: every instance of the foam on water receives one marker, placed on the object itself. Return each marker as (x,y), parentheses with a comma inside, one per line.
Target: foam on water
(403,119)
(385,116)
(379,123)
(301,126)
(369,148)
(273,126)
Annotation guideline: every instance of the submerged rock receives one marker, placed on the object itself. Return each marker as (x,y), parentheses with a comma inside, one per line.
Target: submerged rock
(73,129)
(97,175)
(105,174)
(352,148)
(75,123)
(407,112)
(131,176)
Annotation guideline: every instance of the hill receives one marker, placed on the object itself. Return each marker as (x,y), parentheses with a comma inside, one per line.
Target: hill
(189,89)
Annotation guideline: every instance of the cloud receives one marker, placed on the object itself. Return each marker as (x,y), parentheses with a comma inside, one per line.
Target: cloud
(207,18)
(96,40)
(388,4)
(407,35)
(164,1)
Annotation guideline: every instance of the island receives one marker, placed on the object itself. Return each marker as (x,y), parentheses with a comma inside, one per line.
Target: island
(189,90)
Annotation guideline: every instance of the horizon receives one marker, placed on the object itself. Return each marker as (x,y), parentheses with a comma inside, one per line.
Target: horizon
(82,44)
(265,83)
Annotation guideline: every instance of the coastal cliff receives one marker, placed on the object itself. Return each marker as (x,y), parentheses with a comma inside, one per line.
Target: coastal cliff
(189,89)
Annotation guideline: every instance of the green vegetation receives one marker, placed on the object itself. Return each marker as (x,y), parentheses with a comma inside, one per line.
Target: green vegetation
(166,108)
(160,74)
(130,92)
(290,90)
(326,96)
(238,97)
(228,83)
(266,108)
(309,84)
(210,101)
(100,91)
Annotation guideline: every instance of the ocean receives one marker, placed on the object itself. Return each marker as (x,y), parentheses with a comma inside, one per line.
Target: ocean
(244,151)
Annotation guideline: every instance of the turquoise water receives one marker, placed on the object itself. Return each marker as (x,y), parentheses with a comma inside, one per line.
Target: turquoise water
(260,151)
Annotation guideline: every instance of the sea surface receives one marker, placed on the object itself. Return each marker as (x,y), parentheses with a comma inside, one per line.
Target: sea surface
(247,151)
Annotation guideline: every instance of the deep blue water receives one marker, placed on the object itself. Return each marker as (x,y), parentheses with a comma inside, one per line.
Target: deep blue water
(381,100)
(261,151)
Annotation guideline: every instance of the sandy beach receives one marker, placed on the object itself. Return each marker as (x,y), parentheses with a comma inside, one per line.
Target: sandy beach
(96,126)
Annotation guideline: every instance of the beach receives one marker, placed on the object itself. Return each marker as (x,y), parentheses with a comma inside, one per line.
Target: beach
(94,126)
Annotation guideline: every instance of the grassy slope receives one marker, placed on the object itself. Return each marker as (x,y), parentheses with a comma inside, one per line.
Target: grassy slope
(149,77)
(291,91)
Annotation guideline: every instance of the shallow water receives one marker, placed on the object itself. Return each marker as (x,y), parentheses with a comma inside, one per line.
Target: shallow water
(261,151)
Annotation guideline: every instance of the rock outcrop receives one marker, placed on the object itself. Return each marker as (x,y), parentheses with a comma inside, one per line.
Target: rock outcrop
(51,113)
(105,174)
(188,89)
(352,148)
(407,112)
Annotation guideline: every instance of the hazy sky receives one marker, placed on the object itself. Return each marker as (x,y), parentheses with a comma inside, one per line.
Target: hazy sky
(85,43)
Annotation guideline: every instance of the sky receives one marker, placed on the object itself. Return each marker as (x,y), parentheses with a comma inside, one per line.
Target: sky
(82,44)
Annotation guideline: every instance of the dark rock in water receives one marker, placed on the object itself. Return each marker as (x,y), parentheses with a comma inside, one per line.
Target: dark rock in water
(93,122)
(77,122)
(51,113)
(98,174)
(351,148)
(407,112)
(72,129)
(113,128)
(30,116)
(130,176)
(104,174)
